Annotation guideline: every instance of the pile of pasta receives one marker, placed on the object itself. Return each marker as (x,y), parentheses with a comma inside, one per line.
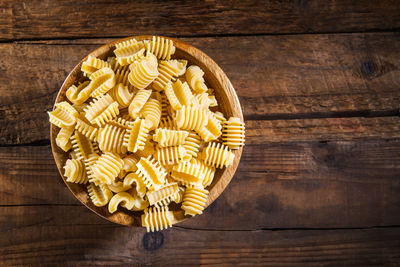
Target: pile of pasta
(143,132)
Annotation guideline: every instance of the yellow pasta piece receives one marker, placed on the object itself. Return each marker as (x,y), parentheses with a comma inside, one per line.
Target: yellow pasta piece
(166,137)
(194,76)
(148,149)
(136,135)
(178,197)
(107,167)
(203,100)
(100,195)
(122,95)
(162,196)
(233,133)
(162,48)
(63,138)
(164,103)
(140,203)
(194,201)
(167,123)
(168,71)
(157,218)
(64,115)
(138,102)
(122,199)
(140,186)
(188,174)
(129,51)
(89,162)
(121,123)
(101,81)
(79,94)
(82,146)
(143,72)
(208,171)
(218,155)
(129,165)
(93,64)
(101,110)
(192,144)
(86,129)
(75,171)
(151,172)
(191,118)
(111,139)
(151,111)
(212,130)
(171,155)
(118,187)
(179,94)
(219,116)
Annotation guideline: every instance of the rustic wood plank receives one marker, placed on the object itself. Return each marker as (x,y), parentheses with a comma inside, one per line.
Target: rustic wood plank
(333,184)
(275,77)
(39,235)
(67,19)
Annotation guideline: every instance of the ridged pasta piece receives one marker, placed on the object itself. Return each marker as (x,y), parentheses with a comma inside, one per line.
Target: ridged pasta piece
(194,76)
(162,98)
(212,130)
(129,165)
(143,72)
(178,94)
(151,172)
(89,162)
(217,155)
(148,150)
(157,218)
(167,123)
(188,174)
(233,133)
(140,203)
(166,137)
(101,81)
(192,144)
(101,110)
(194,201)
(208,171)
(151,112)
(111,139)
(64,115)
(122,95)
(136,135)
(92,64)
(63,138)
(204,100)
(168,71)
(162,48)
(129,51)
(86,129)
(121,122)
(100,195)
(171,155)
(219,116)
(138,102)
(140,186)
(79,94)
(107,167)
(191,118)
(81,145)
(75,171)
(162,196)
(178,197)
(118,187)
(122,199)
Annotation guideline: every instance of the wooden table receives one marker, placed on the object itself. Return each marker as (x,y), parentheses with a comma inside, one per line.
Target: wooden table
(319,180)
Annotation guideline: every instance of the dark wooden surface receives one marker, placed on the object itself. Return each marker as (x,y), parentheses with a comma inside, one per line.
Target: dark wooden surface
(319,179)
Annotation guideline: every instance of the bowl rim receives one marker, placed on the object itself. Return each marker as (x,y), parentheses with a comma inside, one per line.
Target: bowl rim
(222,79)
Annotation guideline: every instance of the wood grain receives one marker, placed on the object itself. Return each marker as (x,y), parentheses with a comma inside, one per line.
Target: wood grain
(276,77)
(67,19)
(287,185)
(40,236)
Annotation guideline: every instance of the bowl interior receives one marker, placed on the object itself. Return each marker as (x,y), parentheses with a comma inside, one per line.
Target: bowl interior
(228,104)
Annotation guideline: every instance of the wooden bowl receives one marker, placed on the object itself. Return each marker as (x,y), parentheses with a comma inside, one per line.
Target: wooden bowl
(228,104)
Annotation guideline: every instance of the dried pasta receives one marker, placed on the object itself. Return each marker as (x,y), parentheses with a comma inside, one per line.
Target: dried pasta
(145,131)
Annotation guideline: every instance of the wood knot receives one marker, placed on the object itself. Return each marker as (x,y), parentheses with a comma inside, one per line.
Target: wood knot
(369,68)
(152,241)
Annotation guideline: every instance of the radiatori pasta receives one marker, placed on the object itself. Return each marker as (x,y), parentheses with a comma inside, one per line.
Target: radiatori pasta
(145,131)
